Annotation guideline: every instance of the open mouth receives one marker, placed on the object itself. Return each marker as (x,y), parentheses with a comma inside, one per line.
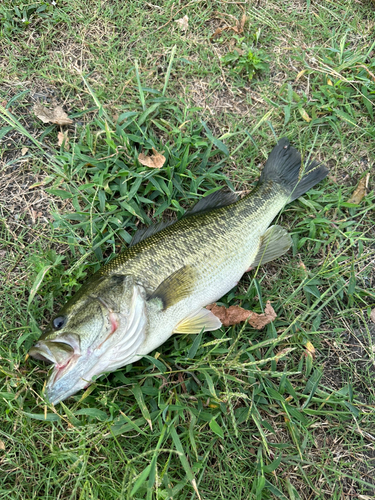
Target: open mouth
(61,353)
(63,356)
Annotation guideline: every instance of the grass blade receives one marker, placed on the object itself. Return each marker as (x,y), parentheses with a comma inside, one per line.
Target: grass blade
(184,460)
(137,391)
(140,89)
(168,74)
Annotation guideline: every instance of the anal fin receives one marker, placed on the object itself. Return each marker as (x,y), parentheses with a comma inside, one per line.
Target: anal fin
(275,242)
(197,321)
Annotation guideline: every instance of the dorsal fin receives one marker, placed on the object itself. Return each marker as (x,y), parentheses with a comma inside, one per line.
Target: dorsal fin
(145,232)
(217,199)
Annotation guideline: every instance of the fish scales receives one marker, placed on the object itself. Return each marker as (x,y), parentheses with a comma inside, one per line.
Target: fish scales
(160,286)
(199,240)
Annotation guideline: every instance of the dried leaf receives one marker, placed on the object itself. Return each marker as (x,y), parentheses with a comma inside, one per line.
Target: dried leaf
(310,349)
(195,487)
(259,321)
(62,138)
(2,445)
(360,191)
(56,115)
(372,316)
(181,380)
(301,73)
(156,160)
(218,32)
(231,315)
(24,151)
(237,29)
(332,178)
(304,114)
(234,315)
(302,266)
(241,24)
(183,22)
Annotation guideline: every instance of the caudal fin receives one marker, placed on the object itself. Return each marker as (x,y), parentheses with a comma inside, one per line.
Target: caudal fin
(284,166)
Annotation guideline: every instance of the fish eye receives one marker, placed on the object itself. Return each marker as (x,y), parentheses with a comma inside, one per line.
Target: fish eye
(58,322)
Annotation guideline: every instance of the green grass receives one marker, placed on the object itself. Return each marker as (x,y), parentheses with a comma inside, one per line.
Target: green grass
(233,414)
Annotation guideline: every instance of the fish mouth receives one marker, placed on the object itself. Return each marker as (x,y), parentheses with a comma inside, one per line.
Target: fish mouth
(70,366)
(62,353)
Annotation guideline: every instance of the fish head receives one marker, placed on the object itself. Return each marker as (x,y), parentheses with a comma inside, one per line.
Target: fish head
(98,330)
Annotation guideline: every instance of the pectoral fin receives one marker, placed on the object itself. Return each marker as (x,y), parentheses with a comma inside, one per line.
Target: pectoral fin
(274,243)
(197,321)
(176,287)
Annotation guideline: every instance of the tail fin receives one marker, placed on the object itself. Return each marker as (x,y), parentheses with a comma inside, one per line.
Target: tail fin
(284,165)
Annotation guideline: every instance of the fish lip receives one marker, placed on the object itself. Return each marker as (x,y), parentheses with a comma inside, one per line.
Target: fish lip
(63,353)
(66,381)
(42,352)
(52,391)
(43,349)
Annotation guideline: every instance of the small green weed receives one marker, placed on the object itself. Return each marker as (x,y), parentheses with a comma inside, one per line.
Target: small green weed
(246,59)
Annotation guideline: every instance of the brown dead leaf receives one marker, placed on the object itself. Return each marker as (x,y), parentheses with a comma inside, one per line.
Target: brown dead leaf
(62,138)
(181,380)
(372,316)
(183,22)
(35,215)
(332,177)
(56,115)
(360,191)
(237,29)
(242,22)
(156,160)
(24,151)
(234,315)
(259,321)
(218,32)
(231,315)
(302,266)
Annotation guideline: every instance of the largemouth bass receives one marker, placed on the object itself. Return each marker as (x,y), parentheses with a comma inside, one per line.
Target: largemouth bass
(161,284)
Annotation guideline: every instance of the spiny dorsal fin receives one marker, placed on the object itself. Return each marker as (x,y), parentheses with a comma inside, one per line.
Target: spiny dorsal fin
(175,288)
(217,199)
(197,321)
(145,232)
(274,243)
